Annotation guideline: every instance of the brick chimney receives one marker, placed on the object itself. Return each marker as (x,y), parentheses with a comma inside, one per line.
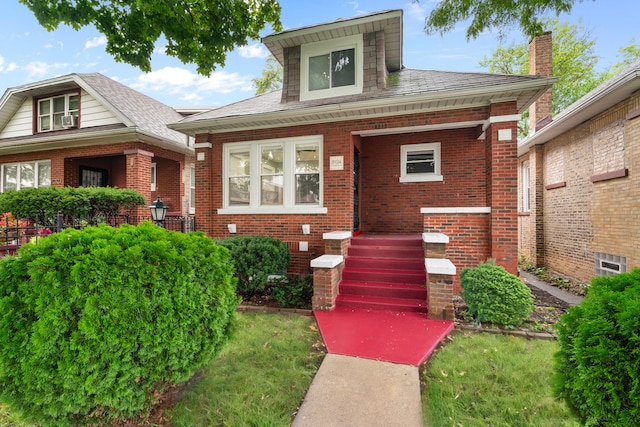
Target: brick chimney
(540,64)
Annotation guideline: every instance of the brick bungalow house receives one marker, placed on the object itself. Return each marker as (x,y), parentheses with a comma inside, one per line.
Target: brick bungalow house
(356,143)
(579,192)
(89,130)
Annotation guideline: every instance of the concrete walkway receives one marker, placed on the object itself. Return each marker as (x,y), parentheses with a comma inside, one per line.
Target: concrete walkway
(565,296)
(350,391)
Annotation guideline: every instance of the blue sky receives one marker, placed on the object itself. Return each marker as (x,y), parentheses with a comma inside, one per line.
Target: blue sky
(29,53)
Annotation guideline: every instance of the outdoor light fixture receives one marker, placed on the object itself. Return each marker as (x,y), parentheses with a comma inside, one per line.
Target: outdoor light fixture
(231,228)
(158,211)
(306,229)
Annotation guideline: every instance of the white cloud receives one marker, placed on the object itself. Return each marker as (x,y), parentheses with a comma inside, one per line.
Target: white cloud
(253,51)
(95,42)
(416,10)
(37,69)
(177,80)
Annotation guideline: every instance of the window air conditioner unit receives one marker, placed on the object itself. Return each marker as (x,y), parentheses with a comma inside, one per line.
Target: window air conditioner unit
(69,121)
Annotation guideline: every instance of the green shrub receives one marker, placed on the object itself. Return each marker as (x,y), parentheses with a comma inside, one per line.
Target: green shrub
(255,259)
(76,202)
(598,365)
(295,291)
(494,295)
(95,323)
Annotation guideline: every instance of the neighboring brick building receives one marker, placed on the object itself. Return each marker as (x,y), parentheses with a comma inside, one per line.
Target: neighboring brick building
(355,142)
(579,197)
(88,130)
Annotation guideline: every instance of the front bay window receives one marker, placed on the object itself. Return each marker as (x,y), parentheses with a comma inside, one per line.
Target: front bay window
(273,176)
(331,68)
(18,176)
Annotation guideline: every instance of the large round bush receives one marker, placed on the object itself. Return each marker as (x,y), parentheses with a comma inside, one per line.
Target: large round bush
(95,323)
(494,295)
(598,365)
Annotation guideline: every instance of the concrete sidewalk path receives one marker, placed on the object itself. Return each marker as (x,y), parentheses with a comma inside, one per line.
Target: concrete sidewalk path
(350,391)
(565,296)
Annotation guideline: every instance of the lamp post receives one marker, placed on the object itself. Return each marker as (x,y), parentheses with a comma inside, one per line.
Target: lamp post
(158,211)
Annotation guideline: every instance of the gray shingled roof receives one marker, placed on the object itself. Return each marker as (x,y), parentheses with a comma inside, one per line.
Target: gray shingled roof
(136,110)
(145,113)
(410,83)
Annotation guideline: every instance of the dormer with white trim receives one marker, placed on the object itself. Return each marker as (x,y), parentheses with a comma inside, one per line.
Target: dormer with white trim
(341,58)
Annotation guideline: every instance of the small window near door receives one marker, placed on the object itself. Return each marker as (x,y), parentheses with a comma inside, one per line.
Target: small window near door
(192,189)
(153,176)
(420,162)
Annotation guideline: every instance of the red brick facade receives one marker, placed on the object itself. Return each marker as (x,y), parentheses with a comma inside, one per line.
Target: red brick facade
(127,165)
(478,173)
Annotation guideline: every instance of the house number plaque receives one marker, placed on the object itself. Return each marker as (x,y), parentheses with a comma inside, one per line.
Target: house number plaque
(336,163)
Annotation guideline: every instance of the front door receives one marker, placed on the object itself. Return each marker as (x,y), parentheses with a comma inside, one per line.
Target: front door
(356,198)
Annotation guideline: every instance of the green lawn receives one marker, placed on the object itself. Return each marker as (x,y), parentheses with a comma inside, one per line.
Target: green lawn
(482,379)
(264,372)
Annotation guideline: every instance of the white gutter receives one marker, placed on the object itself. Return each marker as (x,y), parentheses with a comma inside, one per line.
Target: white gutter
(84,139)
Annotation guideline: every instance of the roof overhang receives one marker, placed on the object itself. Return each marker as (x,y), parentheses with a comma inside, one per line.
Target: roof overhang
(523,93)
(610,93)
(390,21)
(62,140)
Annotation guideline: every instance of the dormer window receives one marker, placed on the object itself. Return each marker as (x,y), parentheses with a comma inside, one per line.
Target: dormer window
(331,68)
(58,112)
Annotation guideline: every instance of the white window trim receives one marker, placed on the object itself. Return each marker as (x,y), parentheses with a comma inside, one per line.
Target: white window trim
(154,176)
(36,176)
(67,112)
(324,47)
(420,177)
(525,175)
(288,206)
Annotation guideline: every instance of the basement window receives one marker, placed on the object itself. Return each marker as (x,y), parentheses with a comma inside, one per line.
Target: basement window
(608,264)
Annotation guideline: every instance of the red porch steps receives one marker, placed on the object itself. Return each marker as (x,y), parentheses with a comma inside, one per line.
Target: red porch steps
(384,272)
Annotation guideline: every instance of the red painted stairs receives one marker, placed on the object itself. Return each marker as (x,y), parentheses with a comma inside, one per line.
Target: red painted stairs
(384,272)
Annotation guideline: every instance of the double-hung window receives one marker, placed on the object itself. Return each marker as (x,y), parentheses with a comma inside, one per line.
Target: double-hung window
(331,68)
(273,176)
(54,113)
(17,176)
(420,162)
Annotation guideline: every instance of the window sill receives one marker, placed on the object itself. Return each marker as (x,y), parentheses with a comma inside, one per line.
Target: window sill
(422,178)
(524,213)
(621,173)
(273,211)
(556,185)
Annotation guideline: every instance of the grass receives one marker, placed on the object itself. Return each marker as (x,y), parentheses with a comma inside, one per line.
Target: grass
(262,375)
(480,379)
(260,378)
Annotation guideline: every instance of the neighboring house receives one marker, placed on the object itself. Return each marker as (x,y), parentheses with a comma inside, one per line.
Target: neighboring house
(579,197)
(89,130)
(355,142)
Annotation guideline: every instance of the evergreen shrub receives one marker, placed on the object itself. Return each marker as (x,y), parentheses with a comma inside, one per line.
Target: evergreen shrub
(97,322)
(494,295)
(255,259)
(295,291)
(598,364)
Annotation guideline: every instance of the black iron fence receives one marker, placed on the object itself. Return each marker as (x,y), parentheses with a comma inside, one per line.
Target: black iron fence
(16,232)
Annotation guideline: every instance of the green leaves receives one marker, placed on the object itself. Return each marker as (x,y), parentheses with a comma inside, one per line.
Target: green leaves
(494,14)
(598,365)
(494,295)
(95,320)
(196,31)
